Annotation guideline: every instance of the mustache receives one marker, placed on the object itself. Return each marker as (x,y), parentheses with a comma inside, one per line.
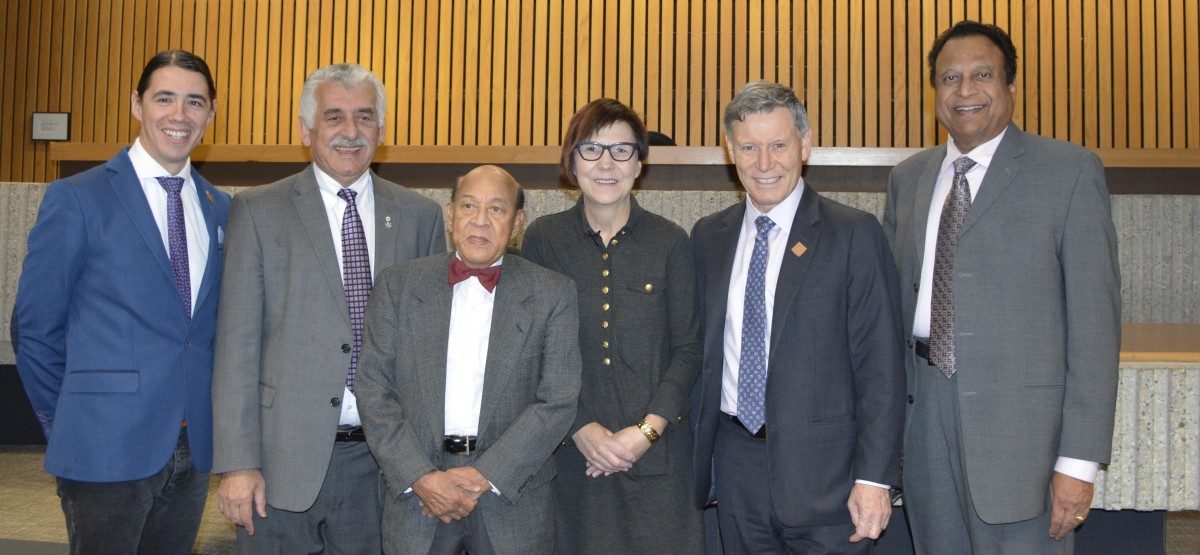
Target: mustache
(344,142)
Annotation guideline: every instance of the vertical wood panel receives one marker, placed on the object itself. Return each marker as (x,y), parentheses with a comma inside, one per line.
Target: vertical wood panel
(1108,74)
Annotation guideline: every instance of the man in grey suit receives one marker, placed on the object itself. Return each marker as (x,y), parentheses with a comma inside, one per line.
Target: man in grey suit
(469,380)
(801,388)
(1011,295)
(297,475)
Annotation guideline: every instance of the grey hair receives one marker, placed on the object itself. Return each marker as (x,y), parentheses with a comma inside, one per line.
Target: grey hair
(764,96)
(349,76)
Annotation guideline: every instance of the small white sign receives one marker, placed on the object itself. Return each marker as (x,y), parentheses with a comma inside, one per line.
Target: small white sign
(51,126)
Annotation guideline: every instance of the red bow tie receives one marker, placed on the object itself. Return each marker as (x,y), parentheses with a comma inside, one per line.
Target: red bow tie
(488,277)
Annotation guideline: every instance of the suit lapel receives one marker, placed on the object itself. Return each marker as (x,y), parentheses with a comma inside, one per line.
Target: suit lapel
(722,246)
(386,224)
(999,175)
(206,194)
(511,323)
(921,203)
(126,187)
(793,268)
(430,324)
(310,210)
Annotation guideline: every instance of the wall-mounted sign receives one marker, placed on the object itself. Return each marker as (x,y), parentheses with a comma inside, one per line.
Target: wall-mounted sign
(51,126)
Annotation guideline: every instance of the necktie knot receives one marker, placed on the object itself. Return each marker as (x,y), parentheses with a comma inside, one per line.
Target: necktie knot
(488,277)
(764,225)
(171,183)
(349,195)
(963,165)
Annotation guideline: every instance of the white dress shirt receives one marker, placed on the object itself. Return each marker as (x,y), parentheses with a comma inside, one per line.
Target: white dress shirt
(335,210)
(782,214)
(148,171)
(982,155)
(466,354)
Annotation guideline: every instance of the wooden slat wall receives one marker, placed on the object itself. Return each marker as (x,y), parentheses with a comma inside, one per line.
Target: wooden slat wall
(1103,73)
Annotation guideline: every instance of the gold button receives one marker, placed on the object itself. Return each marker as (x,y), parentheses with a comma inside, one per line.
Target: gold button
(604,289)
(604,306)
(613,242)
(604,324)
(604,344)
(607,361)
(604,256)
(649,287)
(605,273)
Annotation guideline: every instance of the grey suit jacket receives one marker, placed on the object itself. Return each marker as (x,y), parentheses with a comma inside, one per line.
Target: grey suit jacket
(529,396)
(282,347)
(1037,314)
(835,388)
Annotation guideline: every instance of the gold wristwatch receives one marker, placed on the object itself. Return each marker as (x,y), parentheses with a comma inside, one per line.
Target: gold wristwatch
(647,430)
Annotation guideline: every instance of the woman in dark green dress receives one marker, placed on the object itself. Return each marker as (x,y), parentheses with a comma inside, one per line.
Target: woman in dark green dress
(624,471)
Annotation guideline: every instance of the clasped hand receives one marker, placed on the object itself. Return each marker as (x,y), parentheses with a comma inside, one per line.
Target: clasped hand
(607,452)
(452,494)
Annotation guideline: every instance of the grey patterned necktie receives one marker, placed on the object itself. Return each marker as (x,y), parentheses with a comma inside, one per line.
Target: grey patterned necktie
(177,239)
(356,275)
(752,364)
(950,227)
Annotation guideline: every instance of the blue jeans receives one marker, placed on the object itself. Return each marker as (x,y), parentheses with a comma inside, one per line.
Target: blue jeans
(158,514)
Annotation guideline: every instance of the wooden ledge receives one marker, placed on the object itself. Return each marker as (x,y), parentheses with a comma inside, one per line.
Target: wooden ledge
(662,155)
(1160,343)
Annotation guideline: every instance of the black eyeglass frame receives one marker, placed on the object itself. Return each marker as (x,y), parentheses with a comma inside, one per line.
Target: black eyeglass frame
(609,148)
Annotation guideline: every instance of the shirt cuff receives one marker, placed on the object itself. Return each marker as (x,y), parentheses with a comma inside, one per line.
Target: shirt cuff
(1077,468)
(870,483)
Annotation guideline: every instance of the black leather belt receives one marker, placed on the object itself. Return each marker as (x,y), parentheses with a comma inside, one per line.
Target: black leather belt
(922,349)
(761,434)
(459,445)
(351,435)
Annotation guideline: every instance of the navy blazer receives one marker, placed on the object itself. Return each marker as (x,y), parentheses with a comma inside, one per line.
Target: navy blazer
(105,349)
(835,378)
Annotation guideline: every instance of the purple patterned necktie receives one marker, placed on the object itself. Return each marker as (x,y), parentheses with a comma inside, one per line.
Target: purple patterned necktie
(356,274)
(950,227)
(177,238)
(752,364)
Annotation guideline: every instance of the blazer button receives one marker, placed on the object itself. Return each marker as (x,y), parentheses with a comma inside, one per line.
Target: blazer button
(909,343)
(335,402)
(916,287)
(345,347)
(910,399)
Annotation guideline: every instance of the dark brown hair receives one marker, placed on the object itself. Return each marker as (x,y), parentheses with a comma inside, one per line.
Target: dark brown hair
(181,59)
(967,28)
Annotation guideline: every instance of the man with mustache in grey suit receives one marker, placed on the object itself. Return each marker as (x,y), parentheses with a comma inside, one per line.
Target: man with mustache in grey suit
(298,476)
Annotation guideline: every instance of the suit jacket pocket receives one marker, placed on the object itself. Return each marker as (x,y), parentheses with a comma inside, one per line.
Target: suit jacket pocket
(101,381)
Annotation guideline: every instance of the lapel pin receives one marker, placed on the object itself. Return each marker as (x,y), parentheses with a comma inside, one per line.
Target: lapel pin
(208,194)
(798,249)
(387,222)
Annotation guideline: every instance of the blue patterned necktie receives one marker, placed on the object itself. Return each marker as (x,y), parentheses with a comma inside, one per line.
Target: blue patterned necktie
(752,365)
(356,275)
(950,227)
(177,239)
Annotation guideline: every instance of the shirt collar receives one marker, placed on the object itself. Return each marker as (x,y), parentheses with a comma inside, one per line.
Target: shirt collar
(782,214)
(146,167)
(636,216)
(330,186)
(982,155)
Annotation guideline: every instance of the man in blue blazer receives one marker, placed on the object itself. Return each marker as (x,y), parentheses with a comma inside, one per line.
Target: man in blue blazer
(116,311)
(802,383)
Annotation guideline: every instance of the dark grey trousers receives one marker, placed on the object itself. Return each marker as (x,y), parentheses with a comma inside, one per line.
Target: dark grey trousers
(941,513)
(344,519)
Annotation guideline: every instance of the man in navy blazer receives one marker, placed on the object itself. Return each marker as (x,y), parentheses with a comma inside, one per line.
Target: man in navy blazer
(802,382)
(116,311)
